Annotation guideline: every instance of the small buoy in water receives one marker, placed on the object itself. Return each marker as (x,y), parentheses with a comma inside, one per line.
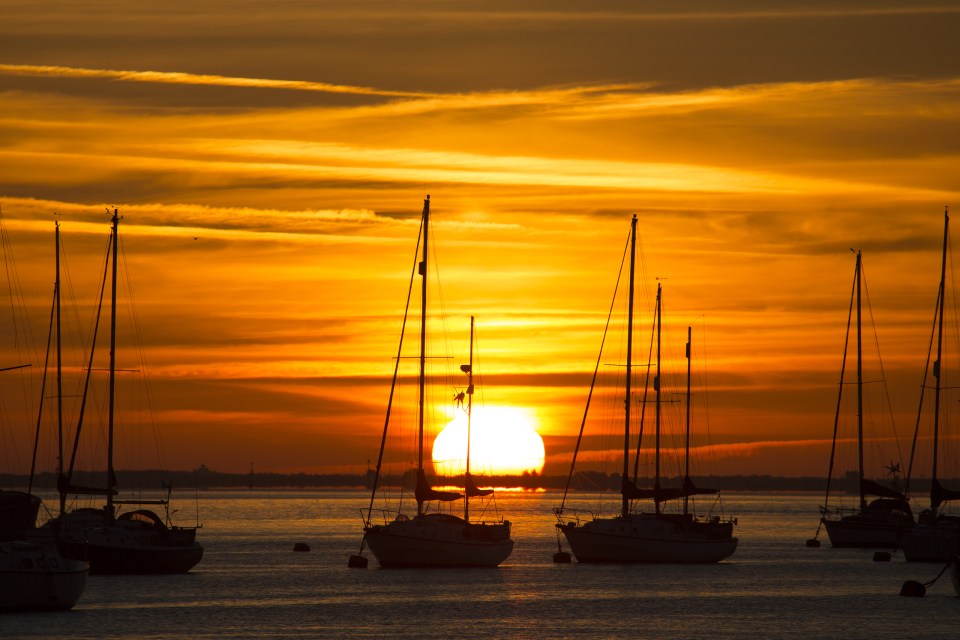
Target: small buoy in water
(913,589)
(881,556)
(357,562)
(301,546)
(561,557)
(813,542)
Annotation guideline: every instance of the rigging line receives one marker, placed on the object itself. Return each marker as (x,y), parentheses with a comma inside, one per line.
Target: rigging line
(10,268)
(596,369)
(946,443)
(836,419)
(478,384)
(393,386)
(8,260)
(86,382)
(643,405)
(82,383)
(449,373)
(883,376)
(431,403)
(23,338)
(646,388)
(142,369)
(954,317)
(705,393)
(43,386)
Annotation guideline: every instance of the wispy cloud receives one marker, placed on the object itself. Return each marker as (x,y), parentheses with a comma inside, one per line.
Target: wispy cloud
(166,77)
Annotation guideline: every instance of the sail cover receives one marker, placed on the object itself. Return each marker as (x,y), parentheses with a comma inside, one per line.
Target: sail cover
(660,494)
(425,492)
(65,486)
(872,488)
(691,489)
(939,495)
(472,490)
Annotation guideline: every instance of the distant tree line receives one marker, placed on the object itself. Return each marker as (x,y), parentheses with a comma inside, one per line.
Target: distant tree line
(205,478)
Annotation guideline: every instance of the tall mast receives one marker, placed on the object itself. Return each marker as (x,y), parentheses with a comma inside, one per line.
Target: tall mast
(625,506)
(686,472)
(423,338)
(858,278)
(466,478)
(56,297)
(934,499)
(656,388)
(111,476)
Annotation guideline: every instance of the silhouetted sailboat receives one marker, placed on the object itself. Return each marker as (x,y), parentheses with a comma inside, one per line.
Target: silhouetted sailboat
(647,536)
(936,538)
(137,541)
(882,521)
(33,573)
(431,539)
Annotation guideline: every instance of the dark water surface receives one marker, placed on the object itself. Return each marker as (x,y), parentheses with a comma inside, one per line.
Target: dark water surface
(251,584)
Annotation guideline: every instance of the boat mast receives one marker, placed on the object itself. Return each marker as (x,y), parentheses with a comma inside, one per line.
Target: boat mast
(111,476)
(686,473)
(858,278)
(625,506)
(656,388)
(934,490)
(56,298)
(466,478)
(423,338)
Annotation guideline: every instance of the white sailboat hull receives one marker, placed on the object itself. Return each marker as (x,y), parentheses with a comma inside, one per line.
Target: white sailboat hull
(648,538)
(36,576)
(439,540)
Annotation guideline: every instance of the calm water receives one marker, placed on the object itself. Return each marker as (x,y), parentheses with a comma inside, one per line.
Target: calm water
(251,584)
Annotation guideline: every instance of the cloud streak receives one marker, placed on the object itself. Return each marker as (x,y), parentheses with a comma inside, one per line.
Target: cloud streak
(167,77)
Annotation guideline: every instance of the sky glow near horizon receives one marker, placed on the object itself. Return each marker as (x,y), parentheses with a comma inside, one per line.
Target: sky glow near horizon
(270,167)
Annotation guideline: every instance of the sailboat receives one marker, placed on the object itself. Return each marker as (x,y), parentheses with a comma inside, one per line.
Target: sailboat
(884,520)
(113,541)
(432,539)
(936,538)
(657,536)
(33,573)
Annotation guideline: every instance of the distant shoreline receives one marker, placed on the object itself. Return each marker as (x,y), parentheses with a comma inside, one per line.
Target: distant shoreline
(205,478)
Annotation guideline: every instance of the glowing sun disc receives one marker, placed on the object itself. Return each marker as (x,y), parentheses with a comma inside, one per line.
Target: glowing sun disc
(503,442)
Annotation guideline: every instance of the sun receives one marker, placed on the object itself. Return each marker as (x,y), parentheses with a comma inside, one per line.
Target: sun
(503,442)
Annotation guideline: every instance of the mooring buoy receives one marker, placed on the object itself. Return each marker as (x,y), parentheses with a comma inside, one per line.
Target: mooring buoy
(301,546)
(813,542)
(357,562)
(561,557)
(881,556)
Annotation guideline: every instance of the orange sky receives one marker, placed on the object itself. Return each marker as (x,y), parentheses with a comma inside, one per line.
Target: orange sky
(297,140)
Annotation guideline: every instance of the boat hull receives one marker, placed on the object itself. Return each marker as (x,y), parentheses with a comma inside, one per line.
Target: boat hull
(118,559)
(648,538)
(938,542)
(140,544)
(860,533)
(439,540)
(38,578)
